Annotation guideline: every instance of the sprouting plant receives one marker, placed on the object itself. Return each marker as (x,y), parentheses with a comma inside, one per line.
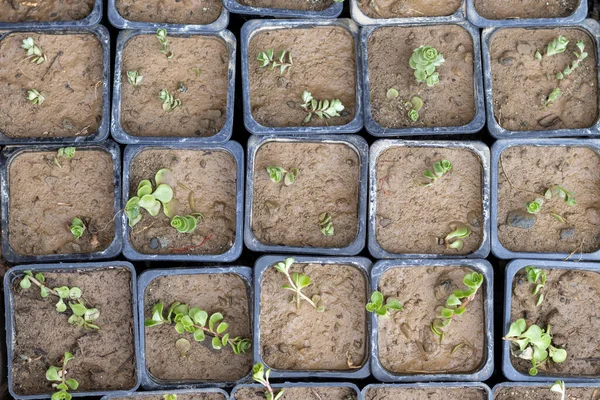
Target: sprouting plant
(320,108)
(186,223)
(276,174)
(77,228)
(196,71)
(194,320)
(169,102)
(392,93)
(283,60)
(170,397)
(380,308)
(149,199)
(259,375)
(533,344)
(559,387)
(134,78)
(440,168)
(64,152)
(415,104)
(558,45)
(454,239)
(161,34)
(59,374)
(424,61)
(413,115)
(557,190)
(33,51)
(552,97)
(82,316)
(539,277)
(456,304)
(582,55)
(538,55)
(297,282)
(534,207)
(35,97)
(325,224)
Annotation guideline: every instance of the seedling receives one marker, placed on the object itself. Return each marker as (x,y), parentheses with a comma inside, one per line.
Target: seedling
(186,223)
(35,97)
(259,375)
(33,51)
(552,97)
(170,397)
(161,34)
(440,168)
(456,304)
(169,102)
(415,105)
(194,320)
(64,152)
(134,78)
(538,55)
(325,224)
(59,374)
(276,174)
(321,108)
(559,387)
(77,228)
(148,199)
(558,45)
(283,60)
(533,344)
(424,61)
(534,207)
(392,93)
(297,282)
(454,239)
(384,310)
(579,57)
(539,277)
(561,192)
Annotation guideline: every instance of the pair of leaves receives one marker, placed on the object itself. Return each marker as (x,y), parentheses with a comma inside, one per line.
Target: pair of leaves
(276,174)
(326,224)
(35,97)
(454,239)
(382,309)
(169,102)
(283,60)
(134,78)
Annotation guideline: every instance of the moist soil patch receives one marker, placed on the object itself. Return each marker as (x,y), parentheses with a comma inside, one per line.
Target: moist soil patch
(301,338)
(328,181)
(449,103)
(510,9)
(308,5)
(193,172)
(44,199)
(299,393)
(324,64)
(44,11)
(520,83)
(426,393)
(191,396)
(408,8)
(104,359)
(70,81)
(406,343)
(568,295)
(224,293)
(412,218)
(524,174)
(544,393)
(192,12)
(203,95)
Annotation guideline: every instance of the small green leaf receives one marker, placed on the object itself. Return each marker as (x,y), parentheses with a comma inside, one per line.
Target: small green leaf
(199,335)
(25,283)
(222,327)
(72,383)
(216,343)
(52,374)
(61,306)
(214,319)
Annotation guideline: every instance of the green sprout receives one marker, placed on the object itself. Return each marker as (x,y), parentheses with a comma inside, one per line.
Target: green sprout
(454,239)
(297,282)
(552,97)
(170,397)
(134,78)
(440,168)
(186,223)
(559,387)
(59,374)
(194,320)
(268,57)
(276,174)
(259,375)
(558,45)
(169,102)
(384,310)
(424,61)
(64,152)
(413,115)
(392,93)
(161,34)
(539,277)
(533,344)
(582,55)
(538,55)
(33,51)
(456,304)
(415,104)
(77,228)
(325,224)
(35,97)
(534,207)
(561,192)
(321,108)
(149,199)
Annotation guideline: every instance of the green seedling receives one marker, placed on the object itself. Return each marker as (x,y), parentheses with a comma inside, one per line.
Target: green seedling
(424,61)
(34,52)
(149,199)
(186,223)
(161,34)
(134,78)
(533,344)
(558,45)
(561,192)
(579,57)
(380,308)
(58,375)
(198,322)
(321,108)
(559,387)
(77,228)
(415,104)
(392,93)
(276,174)
(440,168)
(283,60)
(413,115)
(454,239)
(539,277)
(552,97)
(325,224)
(297,282)
(538,55)
(170,397)
(534,207)
(64,152)
(456,304)
(169,102)
(196,71)
(259,375)
(35,97)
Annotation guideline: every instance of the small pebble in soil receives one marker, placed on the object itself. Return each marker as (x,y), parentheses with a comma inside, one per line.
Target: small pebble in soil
(181,87)
(163,242)
(523,48)
(507,58)
(385,222)
(520,219)
(473,219)
(67,123)
(567,233)
(153,243)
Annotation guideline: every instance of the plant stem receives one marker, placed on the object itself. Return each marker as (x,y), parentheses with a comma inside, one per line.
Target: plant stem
(39,284)
(299,293)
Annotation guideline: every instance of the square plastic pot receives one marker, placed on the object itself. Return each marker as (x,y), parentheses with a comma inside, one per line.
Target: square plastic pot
(17,272)
(511,270)
(181,392)
(8,155)
(536,385)
(103,37)
(497,247)
(486,370)
(230,255)
(363,20)
(151,383)
(91,20)
(497,131)
(375,129)
(121,136)
(445,385)
(234,6)
(576,17)
(264,262)
(479,148)
(359,145)
(299,384)
(253,27)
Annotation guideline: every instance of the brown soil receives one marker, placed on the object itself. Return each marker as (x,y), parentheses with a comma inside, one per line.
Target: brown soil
(508,9)
(70,80)
(304,339)
(307,5)
(299,393)
(203,98)
(328,182)
(193,172)
(43,11)
(44,199)
(408,8)
(449,103)
(195,396)
(520,83)
(104,359)
(406,343)
(568,296)
(403,203)
(426,393)
(544,393)
(196,12)
(576,169)
(328,73)
(224,293)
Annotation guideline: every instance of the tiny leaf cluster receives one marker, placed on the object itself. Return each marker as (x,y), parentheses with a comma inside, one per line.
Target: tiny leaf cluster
(535,206)
(424,61)
(161,35)
(260,376)
(440,168)
(33,51)
(283,60)
(297,282)
(579,57)
(556,46)
(35,97)
(77,227)
(415,104)
(276,174)
(64,152)
(134,78)
(58,375)
(326,224)
(380,308)
(539,277)
(321,108)
(169,102)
